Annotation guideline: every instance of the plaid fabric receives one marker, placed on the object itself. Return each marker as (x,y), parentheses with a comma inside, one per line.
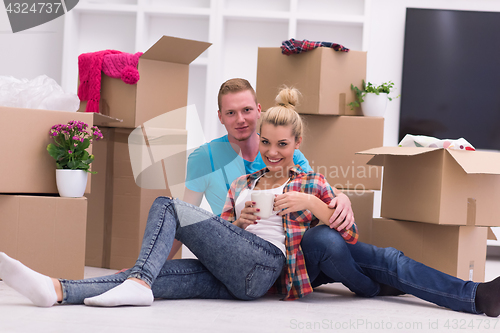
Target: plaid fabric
(294,281)
(293,46)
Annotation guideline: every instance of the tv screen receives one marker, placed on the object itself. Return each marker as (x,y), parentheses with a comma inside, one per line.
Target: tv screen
(451,76)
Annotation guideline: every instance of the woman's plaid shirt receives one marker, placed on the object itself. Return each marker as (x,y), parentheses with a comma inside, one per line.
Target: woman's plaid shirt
(294,282)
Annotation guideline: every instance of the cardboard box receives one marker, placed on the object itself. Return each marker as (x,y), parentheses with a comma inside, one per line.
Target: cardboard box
(362,206)
(323,76)
(98,231)
(162,87)
(330,144)
(45,233)
(118,207)
(27,167)
(439,186)
(456,250)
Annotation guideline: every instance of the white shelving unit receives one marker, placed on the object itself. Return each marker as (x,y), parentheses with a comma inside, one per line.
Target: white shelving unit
(236,28)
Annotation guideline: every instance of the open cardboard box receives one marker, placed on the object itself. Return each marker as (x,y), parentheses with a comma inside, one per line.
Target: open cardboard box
(330,144)
(26,165)
(46,233)
(323,76)
(440,186)
(456,250)
(162,87)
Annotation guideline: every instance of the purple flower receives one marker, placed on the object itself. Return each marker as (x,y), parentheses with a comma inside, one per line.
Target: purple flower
(68,136)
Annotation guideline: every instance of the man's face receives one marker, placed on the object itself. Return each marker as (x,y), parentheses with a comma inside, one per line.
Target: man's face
(239,114)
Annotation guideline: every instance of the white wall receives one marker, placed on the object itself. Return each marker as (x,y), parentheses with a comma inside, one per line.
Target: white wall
(33,52)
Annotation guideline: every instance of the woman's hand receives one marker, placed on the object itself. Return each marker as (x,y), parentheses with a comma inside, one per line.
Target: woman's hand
(343,217)
(290,202)
(247,216)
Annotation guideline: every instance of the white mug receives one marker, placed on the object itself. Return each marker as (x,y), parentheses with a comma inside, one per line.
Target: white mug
(264,200)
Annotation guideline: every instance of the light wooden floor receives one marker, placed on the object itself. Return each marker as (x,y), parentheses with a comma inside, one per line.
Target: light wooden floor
(332,308)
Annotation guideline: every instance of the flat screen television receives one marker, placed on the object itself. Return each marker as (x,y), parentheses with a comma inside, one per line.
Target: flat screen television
(451,76)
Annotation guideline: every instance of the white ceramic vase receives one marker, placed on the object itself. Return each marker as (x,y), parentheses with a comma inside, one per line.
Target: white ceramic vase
(71,183)
(374,105)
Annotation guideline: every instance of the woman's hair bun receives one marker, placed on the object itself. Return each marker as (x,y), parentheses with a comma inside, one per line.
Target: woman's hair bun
(288,96)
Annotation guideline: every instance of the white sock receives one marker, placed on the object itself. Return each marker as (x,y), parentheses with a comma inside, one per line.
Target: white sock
(37,287)
(128,293)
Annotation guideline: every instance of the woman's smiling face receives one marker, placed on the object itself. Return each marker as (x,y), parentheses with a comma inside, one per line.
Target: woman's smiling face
(277,146)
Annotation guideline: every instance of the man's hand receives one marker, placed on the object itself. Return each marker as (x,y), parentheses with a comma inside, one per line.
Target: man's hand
(247,216)
(343,217)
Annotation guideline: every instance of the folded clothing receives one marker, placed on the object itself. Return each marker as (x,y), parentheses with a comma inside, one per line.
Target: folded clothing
(428,141)
(293,46)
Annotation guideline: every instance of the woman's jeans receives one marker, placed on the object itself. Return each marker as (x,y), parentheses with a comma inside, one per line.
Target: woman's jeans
(232,263)
(363,267)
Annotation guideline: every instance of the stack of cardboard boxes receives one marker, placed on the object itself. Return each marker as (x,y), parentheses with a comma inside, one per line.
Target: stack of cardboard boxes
(333,131)
(37,227)
(438,205)
(145,136)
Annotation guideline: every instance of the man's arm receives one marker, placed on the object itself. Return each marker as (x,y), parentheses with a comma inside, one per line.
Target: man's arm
(192,197)
(343,215)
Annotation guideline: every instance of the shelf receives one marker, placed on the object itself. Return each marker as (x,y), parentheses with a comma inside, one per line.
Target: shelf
(192,4)
(255,15)
(104,8)
(108,2)
(258,5)
(177,11)
(332,7)
(348,20)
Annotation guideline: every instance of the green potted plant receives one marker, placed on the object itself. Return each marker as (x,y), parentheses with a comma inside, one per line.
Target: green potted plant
(372,98)
(72,158)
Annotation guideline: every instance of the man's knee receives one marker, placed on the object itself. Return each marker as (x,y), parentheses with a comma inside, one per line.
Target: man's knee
(394,257)
(324,239)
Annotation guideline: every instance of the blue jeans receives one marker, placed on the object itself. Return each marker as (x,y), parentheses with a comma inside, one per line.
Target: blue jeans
(363,267)
(232,263)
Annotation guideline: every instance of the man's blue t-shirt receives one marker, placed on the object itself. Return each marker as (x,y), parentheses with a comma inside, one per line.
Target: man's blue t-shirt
(213,166)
